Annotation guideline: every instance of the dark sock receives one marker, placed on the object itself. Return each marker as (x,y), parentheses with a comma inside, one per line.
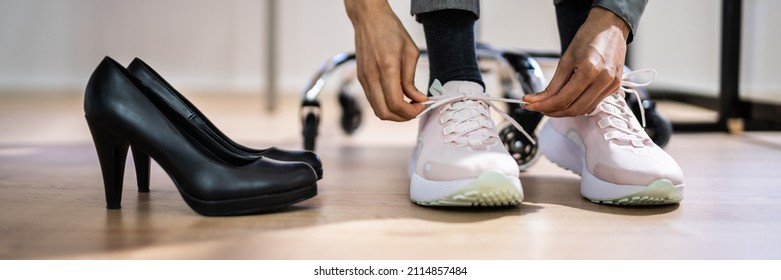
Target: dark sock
(450,37)
(570,15)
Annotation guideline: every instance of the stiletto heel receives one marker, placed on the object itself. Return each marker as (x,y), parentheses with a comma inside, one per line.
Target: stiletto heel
(112,153)
(142,163)
(120,113)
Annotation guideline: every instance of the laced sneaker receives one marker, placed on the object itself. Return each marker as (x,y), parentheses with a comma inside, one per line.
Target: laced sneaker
(617,161)
(459,159)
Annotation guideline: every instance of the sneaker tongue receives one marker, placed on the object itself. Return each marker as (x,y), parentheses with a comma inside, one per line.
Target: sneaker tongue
(456,87)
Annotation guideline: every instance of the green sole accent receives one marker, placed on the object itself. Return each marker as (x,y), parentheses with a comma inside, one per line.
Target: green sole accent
(490,189)
(657,193)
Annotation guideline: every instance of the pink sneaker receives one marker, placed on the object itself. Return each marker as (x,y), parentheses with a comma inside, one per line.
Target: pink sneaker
(617,161)
(459,159)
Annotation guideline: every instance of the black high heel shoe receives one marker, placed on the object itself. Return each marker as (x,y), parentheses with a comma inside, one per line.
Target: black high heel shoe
(120,114)
(185,114)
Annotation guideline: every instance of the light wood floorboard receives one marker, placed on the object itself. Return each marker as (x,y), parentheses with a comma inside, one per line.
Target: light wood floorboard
(52,205)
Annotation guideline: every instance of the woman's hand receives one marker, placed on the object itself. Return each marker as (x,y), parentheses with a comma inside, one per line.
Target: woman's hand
(387,58)
(588,71)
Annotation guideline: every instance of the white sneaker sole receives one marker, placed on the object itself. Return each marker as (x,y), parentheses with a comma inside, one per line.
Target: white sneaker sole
(565,153)
(491,188)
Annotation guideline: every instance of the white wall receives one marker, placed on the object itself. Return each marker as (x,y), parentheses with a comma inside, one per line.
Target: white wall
(761,55)
(197,44)
(681,39)
(201,43)
(208,45)
(519,24)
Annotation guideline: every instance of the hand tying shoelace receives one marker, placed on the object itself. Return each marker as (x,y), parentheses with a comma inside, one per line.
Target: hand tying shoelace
(462,128)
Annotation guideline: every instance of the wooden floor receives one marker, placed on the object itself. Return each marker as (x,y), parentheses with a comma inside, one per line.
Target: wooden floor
(52,205)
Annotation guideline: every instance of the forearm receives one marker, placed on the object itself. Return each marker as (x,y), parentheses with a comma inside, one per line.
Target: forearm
(629,11)
(358,9)
(607,20)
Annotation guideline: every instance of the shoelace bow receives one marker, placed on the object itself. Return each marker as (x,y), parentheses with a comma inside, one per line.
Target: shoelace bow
(630,132)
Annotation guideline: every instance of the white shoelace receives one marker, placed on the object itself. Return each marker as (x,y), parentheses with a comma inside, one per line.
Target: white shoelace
(467,118)
(619,115)
(629,87)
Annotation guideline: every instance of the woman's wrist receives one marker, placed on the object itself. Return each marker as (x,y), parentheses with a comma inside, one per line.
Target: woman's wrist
(608,19)
(358,9)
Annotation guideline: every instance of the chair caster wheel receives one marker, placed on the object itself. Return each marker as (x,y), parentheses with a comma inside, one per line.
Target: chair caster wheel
(310,121)
(522,150)
(351,113)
